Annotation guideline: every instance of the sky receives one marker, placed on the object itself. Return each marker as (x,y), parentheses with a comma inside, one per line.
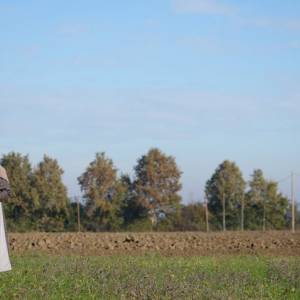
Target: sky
(203,80)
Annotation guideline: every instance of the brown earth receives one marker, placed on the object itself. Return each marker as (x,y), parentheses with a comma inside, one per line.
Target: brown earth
(176,243)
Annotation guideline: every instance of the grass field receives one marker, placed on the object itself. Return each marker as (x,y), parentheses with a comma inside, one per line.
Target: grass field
(151,277)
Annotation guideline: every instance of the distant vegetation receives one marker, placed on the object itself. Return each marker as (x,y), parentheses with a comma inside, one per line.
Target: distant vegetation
(149,200)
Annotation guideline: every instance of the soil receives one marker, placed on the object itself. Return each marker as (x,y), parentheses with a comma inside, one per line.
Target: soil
(175,243)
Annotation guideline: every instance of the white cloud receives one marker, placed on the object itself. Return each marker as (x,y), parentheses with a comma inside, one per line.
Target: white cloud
(211,7)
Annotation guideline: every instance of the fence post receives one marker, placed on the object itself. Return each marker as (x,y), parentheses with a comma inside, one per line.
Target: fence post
(293,201)
(206,215)
(78,214)
(242,214)
(224,212)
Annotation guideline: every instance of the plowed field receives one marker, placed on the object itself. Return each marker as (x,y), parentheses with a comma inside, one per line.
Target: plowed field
(177,243)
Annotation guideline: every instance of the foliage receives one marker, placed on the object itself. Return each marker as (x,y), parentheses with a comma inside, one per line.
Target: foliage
(255,201)
(193,217)
(140,225)
(226,186)
(103,193)
(24,200)
(72,221)
(157,183)
(265,208)
(52,195)
(134,214)
(276,207)
(148,201)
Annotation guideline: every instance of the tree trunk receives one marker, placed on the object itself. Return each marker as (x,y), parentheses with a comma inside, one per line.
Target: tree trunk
(242,214)
(78,214)
(206,216)
(224,213)
(153,218)
(264,219)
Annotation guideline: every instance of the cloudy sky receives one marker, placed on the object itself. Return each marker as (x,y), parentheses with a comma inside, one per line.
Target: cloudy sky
(204,80)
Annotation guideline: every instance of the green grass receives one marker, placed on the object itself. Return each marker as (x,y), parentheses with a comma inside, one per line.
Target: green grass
(151,277)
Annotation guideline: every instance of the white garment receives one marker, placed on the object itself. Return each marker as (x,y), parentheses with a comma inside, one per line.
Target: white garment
(4,258)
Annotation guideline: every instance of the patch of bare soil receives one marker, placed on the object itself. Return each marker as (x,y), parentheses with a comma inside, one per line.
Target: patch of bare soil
(175,243)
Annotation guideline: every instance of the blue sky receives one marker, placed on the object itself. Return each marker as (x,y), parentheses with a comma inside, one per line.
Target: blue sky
(204,80)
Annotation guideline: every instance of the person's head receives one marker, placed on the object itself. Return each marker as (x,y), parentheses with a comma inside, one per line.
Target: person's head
(3,173)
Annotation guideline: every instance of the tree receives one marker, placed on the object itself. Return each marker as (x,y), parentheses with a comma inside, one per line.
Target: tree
(52,194)
(72,221)
(265,206)
(276,207)
(103,193)
(132,210)
(225,192)
(193,217)
(256,201)
(24,201)
(157,183)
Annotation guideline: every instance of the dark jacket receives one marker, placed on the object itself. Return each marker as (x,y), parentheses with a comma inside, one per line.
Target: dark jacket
(4,195)
(4,189)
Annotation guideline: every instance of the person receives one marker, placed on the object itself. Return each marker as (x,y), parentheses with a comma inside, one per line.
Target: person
(5,264)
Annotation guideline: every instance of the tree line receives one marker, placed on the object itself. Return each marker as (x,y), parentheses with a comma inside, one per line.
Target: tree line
(148,200)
